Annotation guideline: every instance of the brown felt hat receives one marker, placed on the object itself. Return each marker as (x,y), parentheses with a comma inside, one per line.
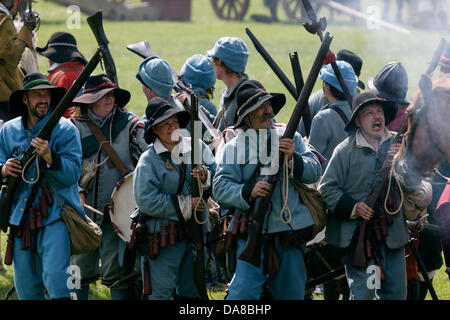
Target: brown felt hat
(96,87)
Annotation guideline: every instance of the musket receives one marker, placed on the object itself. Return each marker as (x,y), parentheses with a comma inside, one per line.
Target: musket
(299,83)
(358,256)
(325,277)
(144,50)
(95,22)
(252,251)
(13,182)
(197,229)
(317,27)
(422,268)
(273,65)
(436,57)
(293,90)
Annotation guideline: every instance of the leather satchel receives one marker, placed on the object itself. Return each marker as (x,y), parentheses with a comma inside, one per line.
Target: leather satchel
(312,199)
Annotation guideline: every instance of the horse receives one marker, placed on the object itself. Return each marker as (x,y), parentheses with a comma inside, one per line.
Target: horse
(427,144)
(427,139)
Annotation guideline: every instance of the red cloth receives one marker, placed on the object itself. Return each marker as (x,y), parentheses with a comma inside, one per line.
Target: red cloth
(398,120)
(330,57)
(63,76)
(445,196)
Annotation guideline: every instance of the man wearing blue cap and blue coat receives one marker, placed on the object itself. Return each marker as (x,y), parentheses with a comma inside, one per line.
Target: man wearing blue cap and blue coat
(229,58)
(155,75)
(327,127)
(239,180)
(198,75)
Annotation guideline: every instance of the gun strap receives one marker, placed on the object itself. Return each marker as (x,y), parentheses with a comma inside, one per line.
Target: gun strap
(34,190)
(107,147)
(341,113)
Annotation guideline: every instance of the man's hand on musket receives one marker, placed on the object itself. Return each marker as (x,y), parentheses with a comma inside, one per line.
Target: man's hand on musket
(42,149)
(287,146)
(11,168)
(261,189)
(364,211)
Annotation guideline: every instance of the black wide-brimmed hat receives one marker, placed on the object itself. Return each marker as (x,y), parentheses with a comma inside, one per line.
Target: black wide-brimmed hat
(33,81)
(62,47)
(159,110)
(367,98)
(96,87)
(391,83)
(445,58)
(355,61)
(251,95)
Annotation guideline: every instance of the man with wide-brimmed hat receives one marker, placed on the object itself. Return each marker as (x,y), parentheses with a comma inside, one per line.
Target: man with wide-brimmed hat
(229,58)
(345,186)
(327,127)
(12,45)
(163,191)
(41,264)
(66,61)
(239,180)
(391,84)
(101,105)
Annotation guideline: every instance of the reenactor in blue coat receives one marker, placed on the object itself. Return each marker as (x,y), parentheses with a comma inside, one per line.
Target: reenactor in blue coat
(198,75)
(41,254)
(163,187)
(229,58)
(239,180)
(327,127)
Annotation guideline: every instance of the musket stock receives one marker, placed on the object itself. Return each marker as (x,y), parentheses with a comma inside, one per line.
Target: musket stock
(252,250)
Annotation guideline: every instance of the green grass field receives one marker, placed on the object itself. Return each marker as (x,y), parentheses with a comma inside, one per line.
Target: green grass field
(176,41)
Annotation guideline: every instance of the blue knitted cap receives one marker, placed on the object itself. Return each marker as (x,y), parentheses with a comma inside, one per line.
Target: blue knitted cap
(232,51)
(156,74)
(199,72)
(347,72)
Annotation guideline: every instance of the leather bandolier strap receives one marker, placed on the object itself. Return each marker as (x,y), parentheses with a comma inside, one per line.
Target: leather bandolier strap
(107,147)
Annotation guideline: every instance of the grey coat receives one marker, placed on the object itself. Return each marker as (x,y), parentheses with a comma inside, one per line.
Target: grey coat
(327,129)
(347,180)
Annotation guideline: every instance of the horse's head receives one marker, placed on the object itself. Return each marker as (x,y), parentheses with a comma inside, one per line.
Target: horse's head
(427,141)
